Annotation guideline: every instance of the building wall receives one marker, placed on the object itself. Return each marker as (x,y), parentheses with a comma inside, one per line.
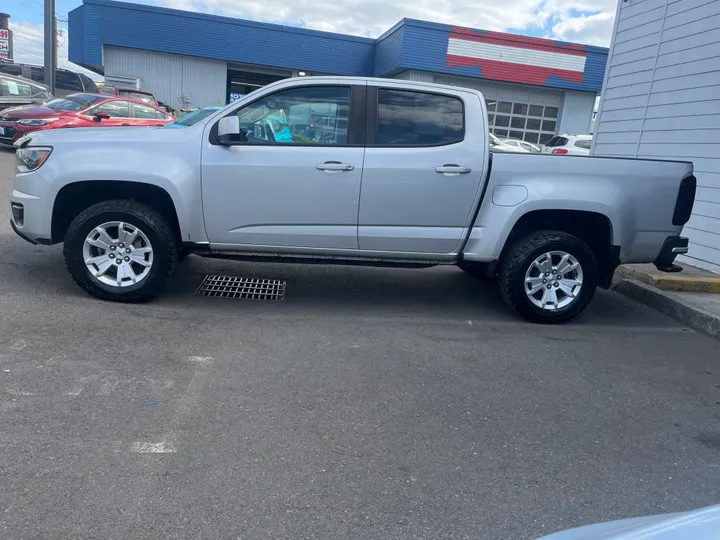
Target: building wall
(125,24)
(171,77)
(661,99)
(576,114)
(409,45)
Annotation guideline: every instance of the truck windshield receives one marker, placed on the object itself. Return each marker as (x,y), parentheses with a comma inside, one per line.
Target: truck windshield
(194,117)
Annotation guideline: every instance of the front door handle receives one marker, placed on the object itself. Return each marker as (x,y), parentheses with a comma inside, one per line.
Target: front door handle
(127,124)
(334,166)
(452,169)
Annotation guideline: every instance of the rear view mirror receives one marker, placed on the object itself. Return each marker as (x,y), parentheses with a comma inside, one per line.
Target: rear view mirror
(101,115)
(229,132)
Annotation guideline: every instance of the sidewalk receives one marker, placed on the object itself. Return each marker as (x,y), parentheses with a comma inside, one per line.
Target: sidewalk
(691,296)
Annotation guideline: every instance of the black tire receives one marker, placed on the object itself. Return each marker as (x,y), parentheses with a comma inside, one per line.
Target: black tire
(158,231)
(521,255)
(479,271)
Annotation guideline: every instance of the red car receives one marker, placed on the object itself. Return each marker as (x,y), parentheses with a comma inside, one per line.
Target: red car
(79,110)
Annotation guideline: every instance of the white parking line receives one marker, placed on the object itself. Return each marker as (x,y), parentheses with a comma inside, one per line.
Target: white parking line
(152,448)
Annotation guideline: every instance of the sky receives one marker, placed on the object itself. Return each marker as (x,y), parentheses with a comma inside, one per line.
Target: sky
(580,21)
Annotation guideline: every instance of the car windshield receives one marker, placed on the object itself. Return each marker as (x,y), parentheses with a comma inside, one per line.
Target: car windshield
(76,102)
(194,117)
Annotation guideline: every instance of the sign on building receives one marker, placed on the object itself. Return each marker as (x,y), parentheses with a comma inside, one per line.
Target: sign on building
(5,44)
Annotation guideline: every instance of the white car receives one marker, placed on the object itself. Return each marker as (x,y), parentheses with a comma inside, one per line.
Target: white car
(517,143)
(496,144)
(574,145)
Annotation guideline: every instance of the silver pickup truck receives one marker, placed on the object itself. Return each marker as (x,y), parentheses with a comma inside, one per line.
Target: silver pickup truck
(349,171)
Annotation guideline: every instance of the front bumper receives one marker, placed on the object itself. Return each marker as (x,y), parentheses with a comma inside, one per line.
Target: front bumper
(31,203)
(671,248)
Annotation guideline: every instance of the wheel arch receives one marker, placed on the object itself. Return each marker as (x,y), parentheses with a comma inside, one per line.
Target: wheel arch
(593,228)
(75,197)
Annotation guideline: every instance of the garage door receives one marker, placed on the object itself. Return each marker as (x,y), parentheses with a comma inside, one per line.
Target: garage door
(516,111)
(514,120)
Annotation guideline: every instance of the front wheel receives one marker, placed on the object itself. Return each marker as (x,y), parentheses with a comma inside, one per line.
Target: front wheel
(548,277)
(120,250)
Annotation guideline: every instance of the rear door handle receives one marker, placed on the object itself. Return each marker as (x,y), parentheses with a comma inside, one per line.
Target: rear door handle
(334,166)
(452,169)
(127,124)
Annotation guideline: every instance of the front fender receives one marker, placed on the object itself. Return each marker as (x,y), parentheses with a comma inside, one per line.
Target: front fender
(175,171)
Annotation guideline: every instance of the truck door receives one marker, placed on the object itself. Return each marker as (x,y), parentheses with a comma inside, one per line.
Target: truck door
(293,180)
(424,168)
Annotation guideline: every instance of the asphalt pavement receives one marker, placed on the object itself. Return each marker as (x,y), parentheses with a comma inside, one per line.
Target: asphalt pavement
(370,404)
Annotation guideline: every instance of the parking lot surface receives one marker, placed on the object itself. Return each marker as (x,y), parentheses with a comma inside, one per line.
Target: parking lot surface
(370,404)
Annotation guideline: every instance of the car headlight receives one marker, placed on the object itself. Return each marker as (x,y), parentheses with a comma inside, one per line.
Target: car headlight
(31,158)
(36,121)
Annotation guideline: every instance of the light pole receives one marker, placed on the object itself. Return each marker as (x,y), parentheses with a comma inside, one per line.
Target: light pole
(50,45)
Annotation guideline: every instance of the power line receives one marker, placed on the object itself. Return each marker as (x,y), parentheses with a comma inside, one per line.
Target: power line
(36,10)
(24,36)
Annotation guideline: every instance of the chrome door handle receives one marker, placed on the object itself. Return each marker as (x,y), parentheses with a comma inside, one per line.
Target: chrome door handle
(452,169)
(334,166)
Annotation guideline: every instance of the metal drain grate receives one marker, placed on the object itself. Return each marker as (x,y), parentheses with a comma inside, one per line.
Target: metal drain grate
(243,288)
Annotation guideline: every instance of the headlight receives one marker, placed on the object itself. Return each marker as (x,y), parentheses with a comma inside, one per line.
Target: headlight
(31,158)
(36,121)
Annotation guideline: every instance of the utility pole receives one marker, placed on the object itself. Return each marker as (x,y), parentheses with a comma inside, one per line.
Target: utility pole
(50,45)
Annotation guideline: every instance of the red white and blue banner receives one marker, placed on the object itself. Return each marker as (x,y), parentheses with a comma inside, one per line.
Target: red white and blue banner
(513,58)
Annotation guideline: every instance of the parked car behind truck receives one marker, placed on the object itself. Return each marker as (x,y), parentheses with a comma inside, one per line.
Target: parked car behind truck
(78,111)
(66,82)
(402,176)
(17,91)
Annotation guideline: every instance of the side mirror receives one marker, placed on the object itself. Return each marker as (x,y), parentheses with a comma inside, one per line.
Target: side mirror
(102,115)
(229,132)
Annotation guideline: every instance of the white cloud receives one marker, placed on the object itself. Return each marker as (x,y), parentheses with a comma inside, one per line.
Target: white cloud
(28,39)
(373,17)
(592,29)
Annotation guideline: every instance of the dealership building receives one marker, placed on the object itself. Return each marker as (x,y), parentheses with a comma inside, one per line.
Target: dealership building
(535,88)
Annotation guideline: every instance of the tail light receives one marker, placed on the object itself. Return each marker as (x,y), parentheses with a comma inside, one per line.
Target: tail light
(560,151)
(685,200)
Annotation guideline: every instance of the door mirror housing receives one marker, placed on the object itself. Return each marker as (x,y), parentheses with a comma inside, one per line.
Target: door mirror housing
(101,115)
(229,132)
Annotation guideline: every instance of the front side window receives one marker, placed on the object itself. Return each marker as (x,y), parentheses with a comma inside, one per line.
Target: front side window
(116,109)
(143,111)
(408,118)
(309,115)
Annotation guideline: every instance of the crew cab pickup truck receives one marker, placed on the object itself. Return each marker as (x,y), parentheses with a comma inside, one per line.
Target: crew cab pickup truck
(350,171)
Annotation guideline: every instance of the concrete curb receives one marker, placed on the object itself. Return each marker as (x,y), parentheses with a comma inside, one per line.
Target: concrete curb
(669,304)
(681,282)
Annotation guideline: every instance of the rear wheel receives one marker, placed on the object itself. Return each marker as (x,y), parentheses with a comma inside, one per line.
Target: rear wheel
(120,250)
(548,277)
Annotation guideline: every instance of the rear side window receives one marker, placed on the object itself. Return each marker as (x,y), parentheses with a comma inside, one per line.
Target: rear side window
(418,119)
(557,141)
(143,111)
(582,144)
